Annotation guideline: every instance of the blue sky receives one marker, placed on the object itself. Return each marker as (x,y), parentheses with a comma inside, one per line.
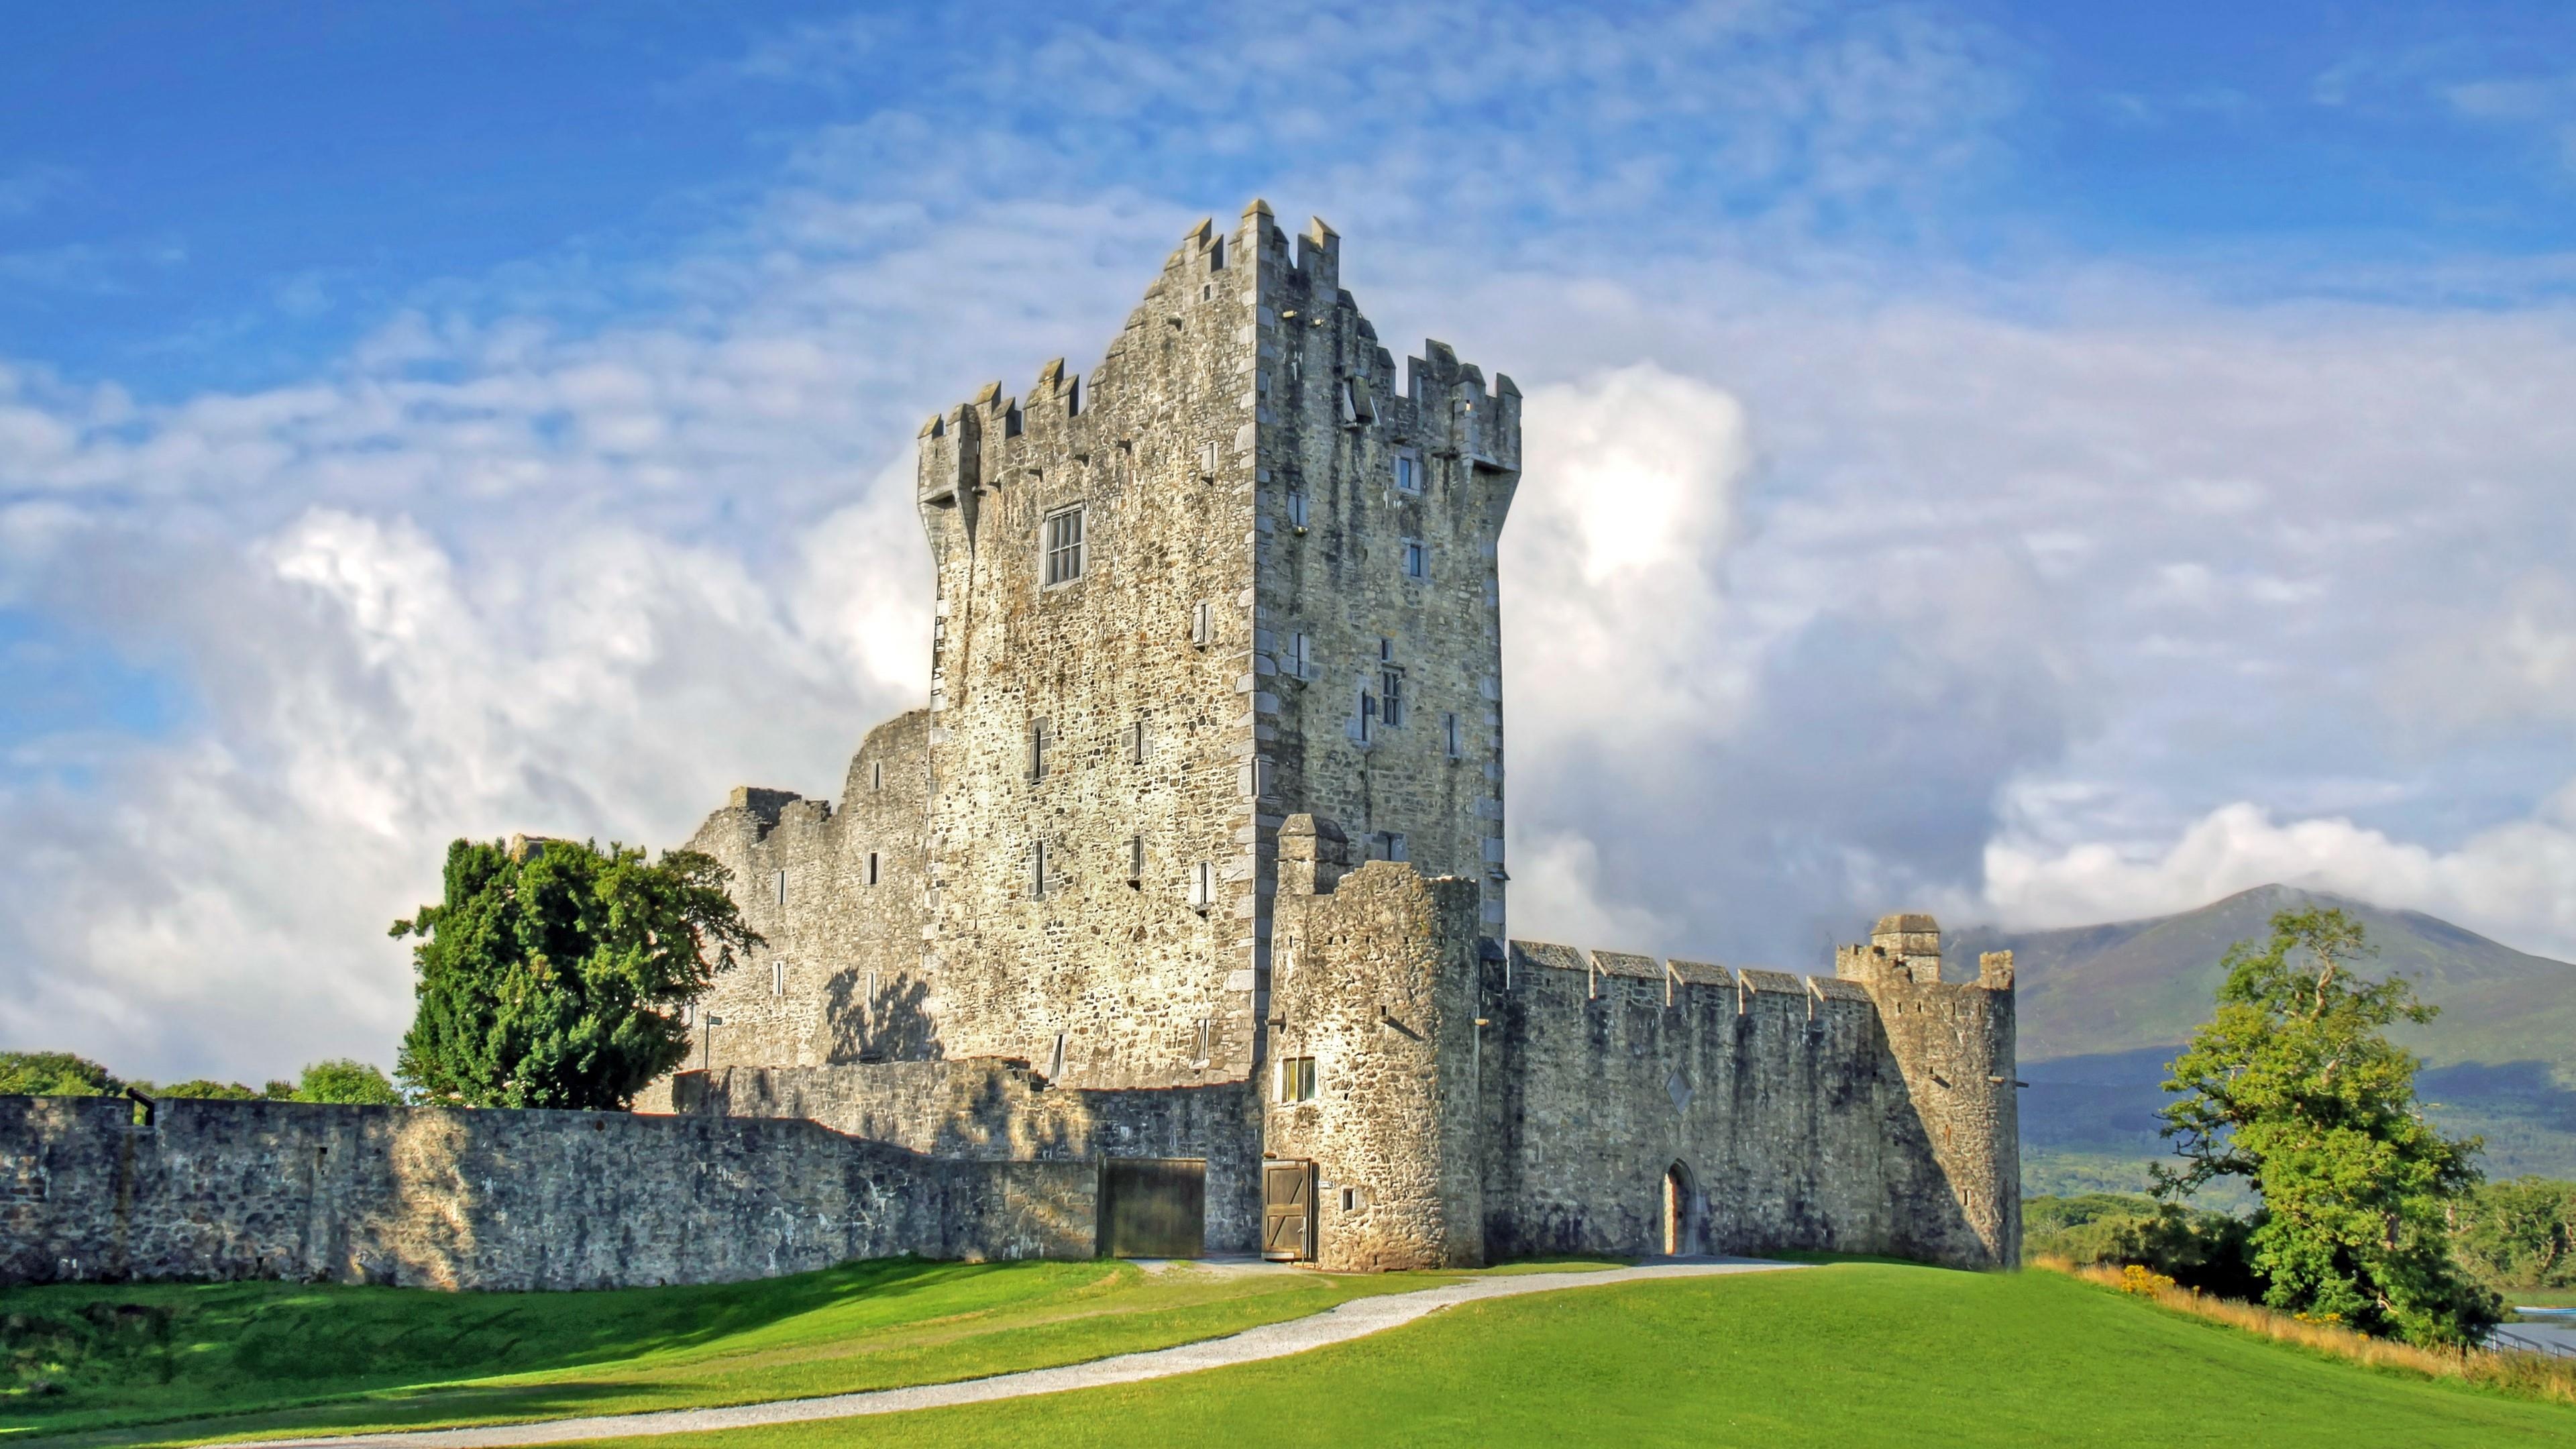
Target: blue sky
(2039,462)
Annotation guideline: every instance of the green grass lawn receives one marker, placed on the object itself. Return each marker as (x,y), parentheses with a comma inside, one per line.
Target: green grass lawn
(1848,1355)
(153,1363)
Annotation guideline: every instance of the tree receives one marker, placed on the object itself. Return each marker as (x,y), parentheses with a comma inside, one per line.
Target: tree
(2521,1234)
(54,1074)
(2294,1086)
(342,1079)
(551,977)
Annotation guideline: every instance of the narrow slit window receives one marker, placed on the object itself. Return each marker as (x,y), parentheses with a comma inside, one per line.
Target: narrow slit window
(1140,746)
(872,868)
(1038,870)
(1037,749)
(1449,734)
(1300,657)
(1064,548)
(1202,885)
(1135,860)
(780,882)
(1202,625)
(876,775)
(1368,717)
(778,978)
(1055,1059)
(1207,459)
(1297,508)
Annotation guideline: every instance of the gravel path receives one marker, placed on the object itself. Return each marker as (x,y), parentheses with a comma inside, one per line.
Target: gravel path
(1355,1319)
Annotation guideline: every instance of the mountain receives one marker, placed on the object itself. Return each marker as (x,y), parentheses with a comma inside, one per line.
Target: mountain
(2102,1009)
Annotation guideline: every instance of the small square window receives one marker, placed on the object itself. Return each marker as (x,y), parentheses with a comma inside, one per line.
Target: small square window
(1064,548)
(1296,1079)
(1417,559)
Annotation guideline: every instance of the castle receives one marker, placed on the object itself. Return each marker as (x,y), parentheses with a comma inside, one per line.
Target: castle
(1207,806)
(1176,924)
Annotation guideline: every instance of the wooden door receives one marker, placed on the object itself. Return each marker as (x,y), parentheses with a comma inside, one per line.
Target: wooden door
(1288,1211)
(1153,1207)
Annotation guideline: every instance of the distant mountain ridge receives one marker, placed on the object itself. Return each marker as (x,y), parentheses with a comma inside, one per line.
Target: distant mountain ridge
(2102,1009)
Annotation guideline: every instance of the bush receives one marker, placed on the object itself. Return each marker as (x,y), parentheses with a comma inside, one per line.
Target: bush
(2192,1246)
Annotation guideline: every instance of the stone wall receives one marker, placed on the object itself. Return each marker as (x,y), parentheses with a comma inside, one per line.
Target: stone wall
(987,1109)
(441,1198)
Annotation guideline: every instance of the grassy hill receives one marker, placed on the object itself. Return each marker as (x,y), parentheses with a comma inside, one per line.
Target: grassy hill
(2103,1007)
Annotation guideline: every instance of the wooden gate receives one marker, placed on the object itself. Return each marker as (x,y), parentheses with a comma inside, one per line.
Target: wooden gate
(1288,1211)
(1153,1207)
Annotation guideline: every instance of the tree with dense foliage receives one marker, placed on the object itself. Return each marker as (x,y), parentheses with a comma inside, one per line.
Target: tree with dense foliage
(2295,1087)
(2195,1247)
(342,1079)
(551,976)
(2521,1234)
(54,1074)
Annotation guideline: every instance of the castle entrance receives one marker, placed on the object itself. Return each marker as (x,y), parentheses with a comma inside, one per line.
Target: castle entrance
(1288,1211)
(1153,1207)
(1681,1234)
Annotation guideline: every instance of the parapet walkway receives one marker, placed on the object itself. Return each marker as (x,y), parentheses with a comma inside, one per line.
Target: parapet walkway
(1356,1319)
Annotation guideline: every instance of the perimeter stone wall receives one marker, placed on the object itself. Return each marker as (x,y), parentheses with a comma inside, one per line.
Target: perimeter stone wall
(444,1198)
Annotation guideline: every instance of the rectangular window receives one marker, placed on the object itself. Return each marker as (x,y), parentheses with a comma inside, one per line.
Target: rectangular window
(1417,559)
(1037,749)
(1135,860)
(1301,657)
(1297,509)
(781,883)
(1408,473)
(1216,255)
(1449,734)
(1254,778)
(1055,1059)
(1350,1199)
(1038,870)
(1207,459)
(1063,546)
(876,775)
(1207,1035)
(1202,885)
(1296,1079)
(1202,625)
(872,868)
(1390,688)
(778,978)
(1140,746)
(1368,717)
(1073,398)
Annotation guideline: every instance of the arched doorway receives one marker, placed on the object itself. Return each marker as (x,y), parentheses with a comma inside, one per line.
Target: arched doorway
(1681,1233)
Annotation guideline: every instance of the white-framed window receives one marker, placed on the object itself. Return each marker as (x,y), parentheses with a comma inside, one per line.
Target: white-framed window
(1296,508)
(1408,473)
(1202,885)
(1064,547)
(1296,1079)
(1202,624)
(1449,735)
(873,869)
(1417,559)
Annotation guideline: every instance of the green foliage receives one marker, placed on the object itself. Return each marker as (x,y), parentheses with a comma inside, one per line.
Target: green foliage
(341,1079)
(552,979)
(2520,1234)
(202,1088)
(2295,1087)
(54,1074)
(2193,1246)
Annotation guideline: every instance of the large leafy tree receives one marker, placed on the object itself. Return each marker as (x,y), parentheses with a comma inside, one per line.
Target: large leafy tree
(2295,1087)
(54,1074)
(551,977)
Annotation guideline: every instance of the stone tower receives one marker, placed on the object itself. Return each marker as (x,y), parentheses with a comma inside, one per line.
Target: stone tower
(1240,571)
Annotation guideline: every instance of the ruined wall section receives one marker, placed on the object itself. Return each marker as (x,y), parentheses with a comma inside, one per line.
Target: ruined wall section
(446,1198)
(839,896)
(1365,581)
(1099,971)
(1376,988)
(990,1109)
